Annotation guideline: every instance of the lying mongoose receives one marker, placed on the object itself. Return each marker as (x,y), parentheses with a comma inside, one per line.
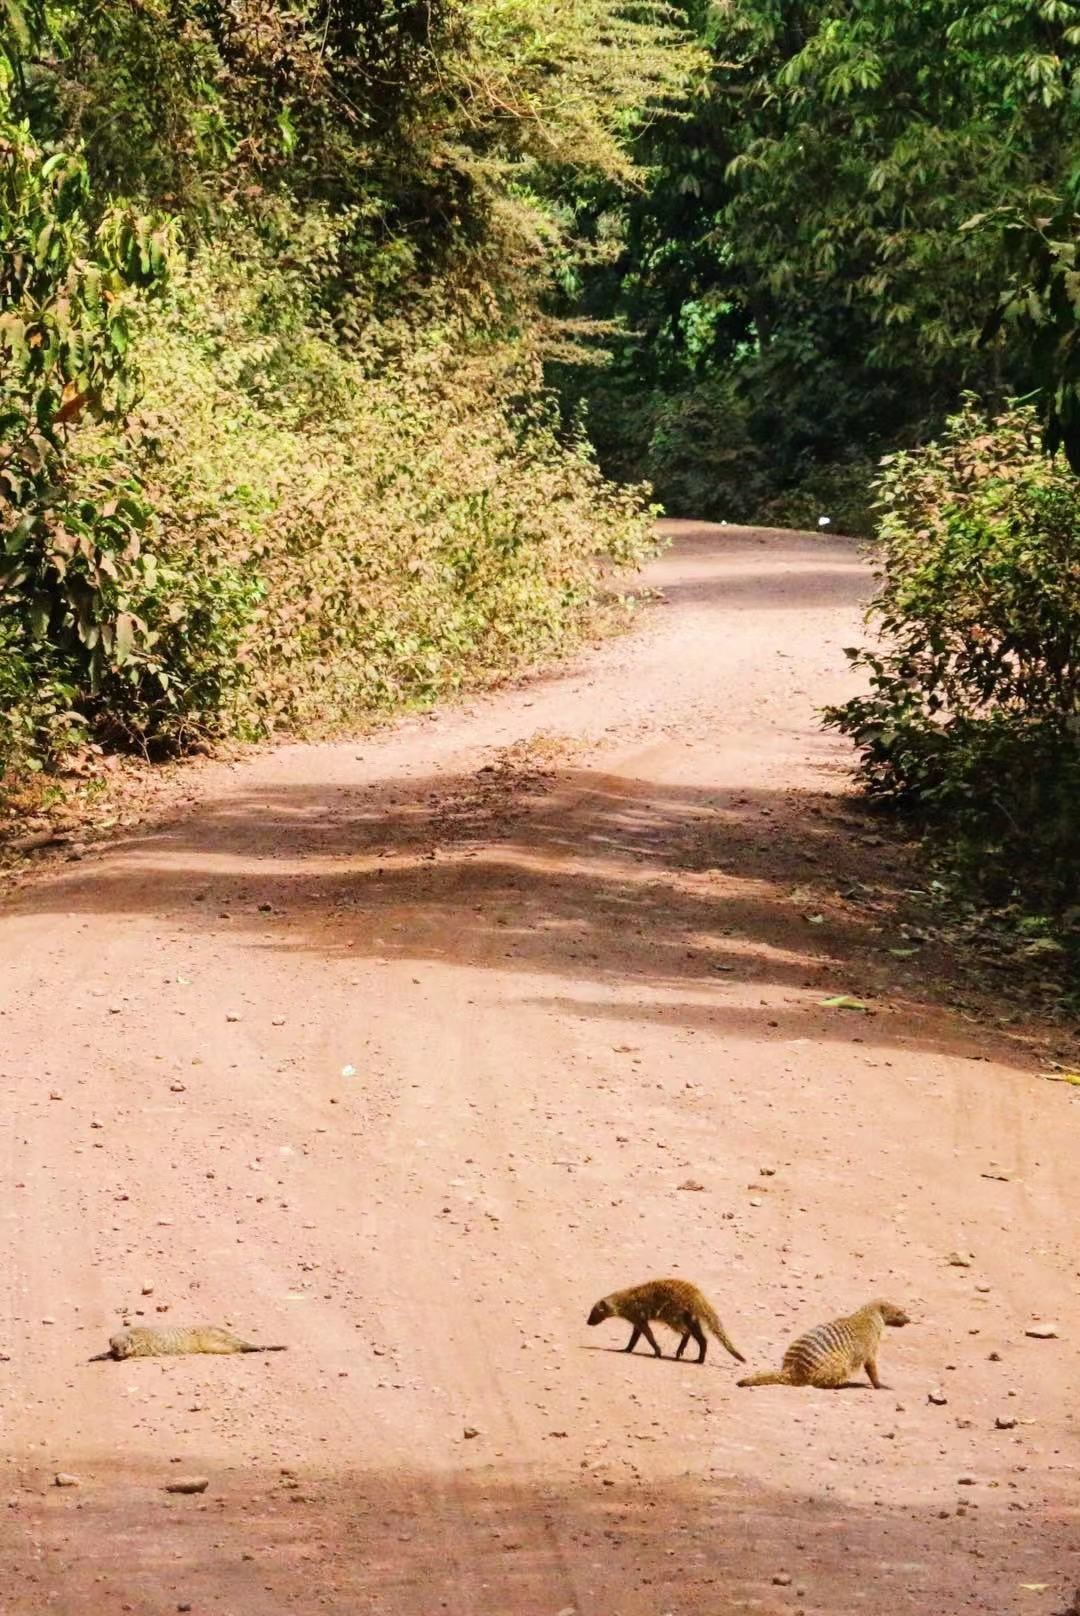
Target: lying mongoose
(830,1354)
(674,1302)
(148,1342)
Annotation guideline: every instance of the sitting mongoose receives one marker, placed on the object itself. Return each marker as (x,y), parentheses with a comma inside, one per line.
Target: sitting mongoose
(830,1354)
(143,1341)
(674,1302)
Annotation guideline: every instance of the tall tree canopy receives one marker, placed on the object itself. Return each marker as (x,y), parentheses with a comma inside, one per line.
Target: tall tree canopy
(868,209)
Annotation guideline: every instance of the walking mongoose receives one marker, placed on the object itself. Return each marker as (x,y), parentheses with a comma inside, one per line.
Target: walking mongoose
(674,1302)
(144,1341)
(830,1354)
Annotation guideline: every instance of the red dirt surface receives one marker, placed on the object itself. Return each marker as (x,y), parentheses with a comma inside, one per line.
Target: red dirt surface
(400,1051)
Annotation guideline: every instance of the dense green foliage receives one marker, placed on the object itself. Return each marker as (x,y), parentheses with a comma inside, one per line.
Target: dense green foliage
(274,441)
(856,192)
(973,714)
(414,521)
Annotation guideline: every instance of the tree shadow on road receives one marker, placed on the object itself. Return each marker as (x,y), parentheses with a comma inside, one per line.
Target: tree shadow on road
(569,875)
(831,583)
(474,1543)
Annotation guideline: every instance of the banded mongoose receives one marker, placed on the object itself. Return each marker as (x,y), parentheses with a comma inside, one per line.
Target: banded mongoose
(143,1341)
(830,1354)
(674,1302)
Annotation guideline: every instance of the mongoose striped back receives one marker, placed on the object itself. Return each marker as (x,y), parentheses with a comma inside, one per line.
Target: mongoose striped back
(674,1302)
(144,1341)
(830,1354)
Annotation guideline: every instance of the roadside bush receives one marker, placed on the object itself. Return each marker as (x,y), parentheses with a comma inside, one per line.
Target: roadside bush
(712,454)
(36,720)
(701,458)
(842,491)
(340,533)
(973,717)
(281,533)
(275,447)
(74,577)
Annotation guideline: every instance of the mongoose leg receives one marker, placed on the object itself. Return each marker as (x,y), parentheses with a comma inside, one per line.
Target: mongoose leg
(633,1341)
(699,1336)
(651,1339)
(682,1345)
(871,1370)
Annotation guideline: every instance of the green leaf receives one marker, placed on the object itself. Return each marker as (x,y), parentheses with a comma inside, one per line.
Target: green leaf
(20,533)
(40,613)
(124,638)
(17,22)
(44,241)
(288,131)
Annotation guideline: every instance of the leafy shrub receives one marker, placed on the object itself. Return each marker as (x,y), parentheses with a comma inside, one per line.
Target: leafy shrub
(36,717)
(70,277)
(701,458)
(729,444)
(343,486)
(282,535)
(334,534)
(842,491)
(973,717)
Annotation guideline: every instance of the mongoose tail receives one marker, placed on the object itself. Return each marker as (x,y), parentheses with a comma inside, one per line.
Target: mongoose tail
(771,1377)
(247,1347)
(709,1317)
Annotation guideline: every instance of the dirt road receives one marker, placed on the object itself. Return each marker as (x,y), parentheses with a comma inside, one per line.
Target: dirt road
(403,1052)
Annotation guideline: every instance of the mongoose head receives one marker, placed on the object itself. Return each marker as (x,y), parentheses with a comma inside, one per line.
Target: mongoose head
(891,1314)
(603,1310)
(120,1346)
